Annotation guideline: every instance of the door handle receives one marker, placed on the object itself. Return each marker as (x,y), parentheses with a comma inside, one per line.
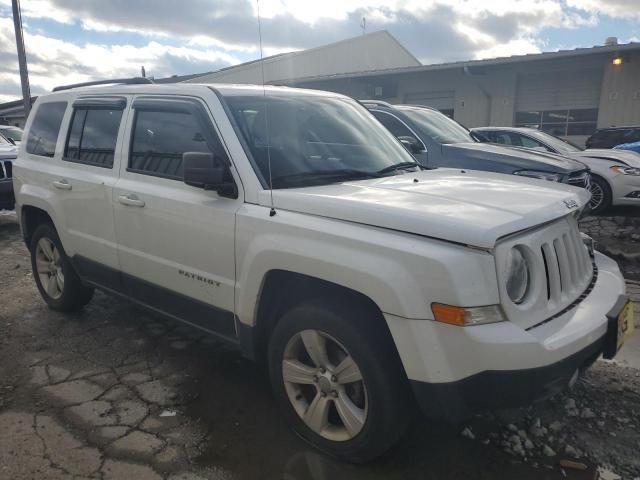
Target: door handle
(131,200)
(62,184)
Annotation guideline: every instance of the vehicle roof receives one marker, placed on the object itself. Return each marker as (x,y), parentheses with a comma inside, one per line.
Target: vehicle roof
(512,129)
(226,90)
(622,127)
(374,104)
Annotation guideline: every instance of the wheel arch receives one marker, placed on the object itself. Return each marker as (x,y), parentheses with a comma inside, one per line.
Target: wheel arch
(30,217)
(282,289)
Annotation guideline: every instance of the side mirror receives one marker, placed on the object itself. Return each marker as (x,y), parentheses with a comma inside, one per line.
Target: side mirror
(412,144)
(201,170)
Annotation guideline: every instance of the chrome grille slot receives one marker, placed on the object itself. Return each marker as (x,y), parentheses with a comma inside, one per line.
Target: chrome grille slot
(8,166)
(560,269)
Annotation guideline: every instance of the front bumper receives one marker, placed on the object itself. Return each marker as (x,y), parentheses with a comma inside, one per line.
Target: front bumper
(457,401)
(626,190)
(456,371)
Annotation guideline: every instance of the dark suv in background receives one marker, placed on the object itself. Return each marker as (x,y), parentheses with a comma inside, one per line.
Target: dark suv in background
(613,136)
(436,140)
(8,153)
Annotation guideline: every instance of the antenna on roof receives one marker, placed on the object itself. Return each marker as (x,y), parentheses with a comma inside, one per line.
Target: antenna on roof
(272,212)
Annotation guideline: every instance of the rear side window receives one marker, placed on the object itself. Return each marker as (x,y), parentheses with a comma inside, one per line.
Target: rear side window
(159,140)
(44,130)
(92,136)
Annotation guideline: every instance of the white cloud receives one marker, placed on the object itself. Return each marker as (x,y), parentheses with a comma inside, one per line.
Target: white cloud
(612,8)
(54,62)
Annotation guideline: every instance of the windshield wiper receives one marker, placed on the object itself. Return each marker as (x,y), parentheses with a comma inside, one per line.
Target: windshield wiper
(398,166)
(346,173)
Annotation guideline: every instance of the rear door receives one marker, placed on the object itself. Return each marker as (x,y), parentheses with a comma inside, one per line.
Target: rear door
(70,163)
(84,184)
(175,242)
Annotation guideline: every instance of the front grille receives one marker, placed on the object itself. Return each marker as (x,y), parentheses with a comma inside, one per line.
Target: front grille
(580,179)
(567,266)
(8,167)
(561,269)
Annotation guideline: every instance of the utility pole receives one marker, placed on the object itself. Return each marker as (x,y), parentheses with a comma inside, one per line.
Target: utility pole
(363,25)
(22,57)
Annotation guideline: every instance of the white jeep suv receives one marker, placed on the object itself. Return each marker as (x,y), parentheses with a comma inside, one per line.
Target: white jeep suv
(365,282)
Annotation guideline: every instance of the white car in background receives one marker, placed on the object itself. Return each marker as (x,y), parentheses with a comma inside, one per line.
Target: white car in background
(11,133)
(615,174)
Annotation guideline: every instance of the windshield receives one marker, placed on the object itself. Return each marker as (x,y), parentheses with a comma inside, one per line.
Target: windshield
(562,146)
(315,140)
(12,133)
(438,126)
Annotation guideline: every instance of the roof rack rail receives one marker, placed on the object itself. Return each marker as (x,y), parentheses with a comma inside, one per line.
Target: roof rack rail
(119,81)
(379,103)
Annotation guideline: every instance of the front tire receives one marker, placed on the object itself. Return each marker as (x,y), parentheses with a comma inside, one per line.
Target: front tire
(338,379)
(57,281)
(600,194)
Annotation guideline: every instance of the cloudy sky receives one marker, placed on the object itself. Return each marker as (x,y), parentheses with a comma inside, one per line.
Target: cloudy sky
(77,40)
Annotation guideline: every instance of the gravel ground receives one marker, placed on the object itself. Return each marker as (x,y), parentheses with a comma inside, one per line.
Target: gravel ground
(115,393)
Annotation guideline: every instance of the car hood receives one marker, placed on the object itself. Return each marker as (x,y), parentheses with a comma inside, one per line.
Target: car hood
(472,208)
(8,151)
(623,156)
(519,158)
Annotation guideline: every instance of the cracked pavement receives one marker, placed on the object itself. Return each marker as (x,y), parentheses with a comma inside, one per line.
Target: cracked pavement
(114,392)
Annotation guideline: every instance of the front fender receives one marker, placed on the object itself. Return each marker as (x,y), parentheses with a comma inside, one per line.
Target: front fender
(401,273)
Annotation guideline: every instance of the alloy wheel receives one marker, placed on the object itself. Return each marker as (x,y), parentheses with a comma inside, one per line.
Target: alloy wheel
(49,268)
(324,385)
(597,195)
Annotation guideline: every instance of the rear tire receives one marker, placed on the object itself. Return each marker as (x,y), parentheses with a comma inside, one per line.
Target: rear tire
(56,279)
(600,194)
(353,378)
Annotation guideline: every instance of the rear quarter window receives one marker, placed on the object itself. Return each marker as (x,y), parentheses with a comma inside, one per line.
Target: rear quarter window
(43,134)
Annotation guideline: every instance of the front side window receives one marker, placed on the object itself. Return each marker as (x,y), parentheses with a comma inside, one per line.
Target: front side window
(159,140)
(392,124)
(43,134)
(309,140)
(438,126)
(92,137)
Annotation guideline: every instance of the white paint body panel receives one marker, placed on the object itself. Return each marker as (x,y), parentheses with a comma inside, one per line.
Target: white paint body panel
(438,353)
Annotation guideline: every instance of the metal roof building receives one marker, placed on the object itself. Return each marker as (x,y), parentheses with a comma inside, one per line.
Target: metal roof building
(373,51)
(568,93)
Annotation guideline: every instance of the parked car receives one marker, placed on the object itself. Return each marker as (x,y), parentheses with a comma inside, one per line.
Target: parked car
(13,134)
(292,225)
(633,146)
(615,174)
(436,140)
(612,136)
(8,153)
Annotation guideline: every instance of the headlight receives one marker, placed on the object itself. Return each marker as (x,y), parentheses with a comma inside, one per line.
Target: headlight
(626,170)
(518,276)
(552,177)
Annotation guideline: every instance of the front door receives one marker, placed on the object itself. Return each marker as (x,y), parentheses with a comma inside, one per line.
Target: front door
(175,242)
